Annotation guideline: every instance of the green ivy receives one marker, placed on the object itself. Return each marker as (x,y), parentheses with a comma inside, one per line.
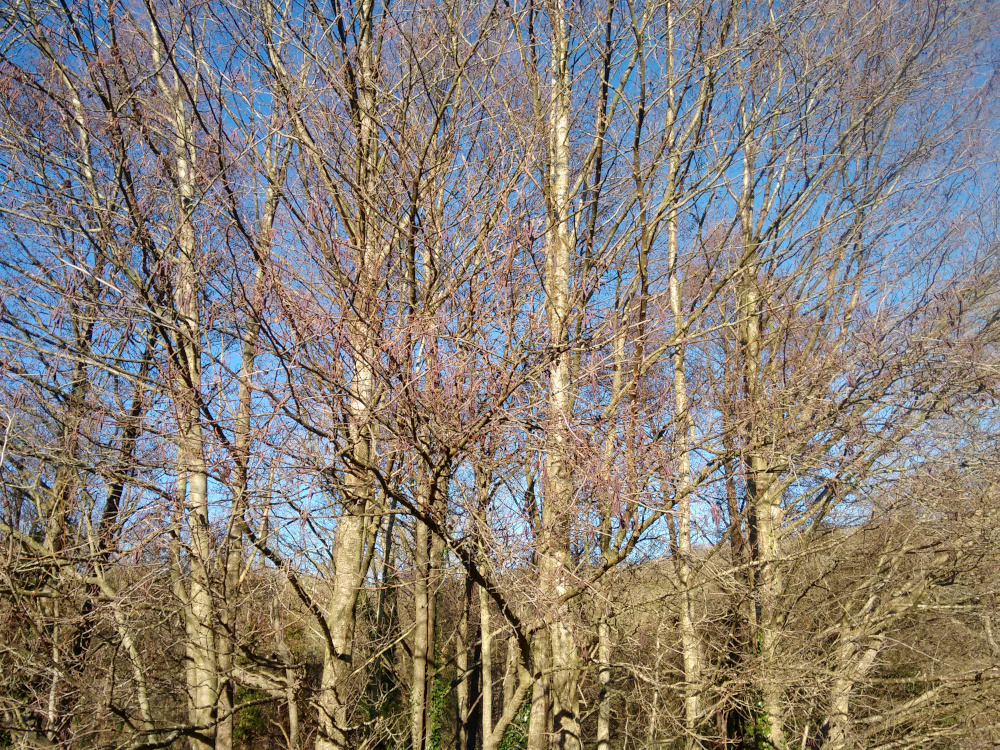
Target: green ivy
(439,694)
(758,729)
(515,737)
(251,721)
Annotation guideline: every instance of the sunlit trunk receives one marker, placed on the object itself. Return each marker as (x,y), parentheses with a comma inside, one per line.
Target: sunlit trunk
(333,700)
(763,494)
(421,636)
(604,678)
(465,666)
(555,561)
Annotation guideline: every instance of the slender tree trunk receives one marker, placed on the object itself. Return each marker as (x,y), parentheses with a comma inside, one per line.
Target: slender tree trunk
(685,427)
(462,664)
(604,677)
(429,549)
(291,702)
(432,717)
(762,492)
(202,671)
(853,662)
(540,714)
(233,551)
(421,637)
(475,693)
(349,560)
(652,730)
(334,701)
(487,662)
(768,588)
(733,716)
(555,563)
(349,543)
(512,671)
(291,697)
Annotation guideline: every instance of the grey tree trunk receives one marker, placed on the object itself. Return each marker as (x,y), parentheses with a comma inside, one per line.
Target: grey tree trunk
(202,670)
(334,701)
(555,562)
(465,688)
(853,662)
(604,678)
(761,488)
(685,427)
(539,724)
(232,559)
(421,639)
(487,662)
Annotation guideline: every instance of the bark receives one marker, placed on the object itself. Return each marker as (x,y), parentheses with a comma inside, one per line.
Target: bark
(349,566)
(685,427)
(604,678)
(232,558)
(555,563)
(852,662)
(202,671)
(427,559)
(540,715)
(487,662)
(465,678)
(652,731)
(334,700)
(733,717)
(290,692)
(433,719)
(512,672)
(421,637)
(349,542)
(761,488)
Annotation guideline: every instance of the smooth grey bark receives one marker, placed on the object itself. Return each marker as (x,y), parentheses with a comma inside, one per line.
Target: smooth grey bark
(604,679)
(761,482)
(232,552)
(487,667)
(421,637)
(555,563)
(202,676)
(853,661)
(539,716)
(464,665)
(333,701)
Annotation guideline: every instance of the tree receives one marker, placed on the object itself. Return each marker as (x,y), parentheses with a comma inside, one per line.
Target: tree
(503,375)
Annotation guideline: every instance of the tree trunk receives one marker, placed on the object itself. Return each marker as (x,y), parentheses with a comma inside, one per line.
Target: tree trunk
(334,701)
(487,662)
(433,718)
(604,677)
(232,560)
(349,543)
(555,564)
(540,713)
(464,689)
(421,636)
(852,663)
(685,427)
(512,671)
(202,670)
(763,499)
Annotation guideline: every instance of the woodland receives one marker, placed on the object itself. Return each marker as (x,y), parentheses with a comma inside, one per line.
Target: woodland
(500,374)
